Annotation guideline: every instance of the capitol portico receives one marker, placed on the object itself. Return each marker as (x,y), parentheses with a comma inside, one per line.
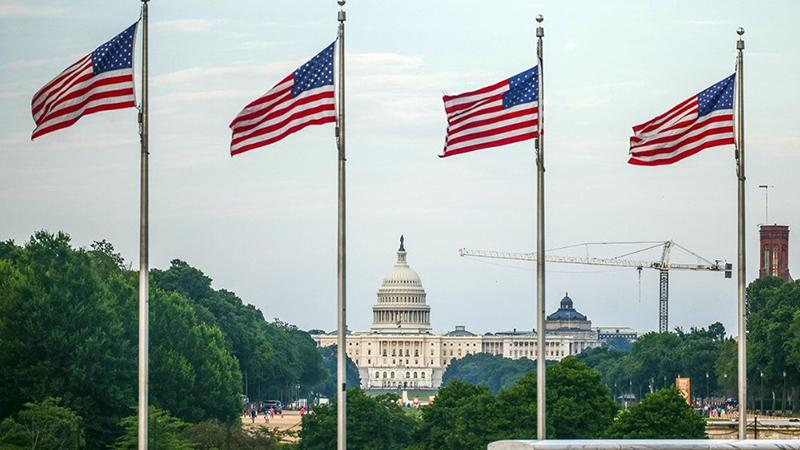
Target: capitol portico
(400,349)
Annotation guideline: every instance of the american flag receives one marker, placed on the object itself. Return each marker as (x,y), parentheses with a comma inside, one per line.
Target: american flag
(100,81)
(303,98)
(702,121)
(495,115)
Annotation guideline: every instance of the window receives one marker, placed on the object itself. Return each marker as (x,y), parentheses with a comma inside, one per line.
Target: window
(377,375)
(415,375)
(408,375)
(391,374)
(369,351)
(422,375)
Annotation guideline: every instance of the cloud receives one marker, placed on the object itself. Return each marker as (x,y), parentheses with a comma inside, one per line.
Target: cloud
(387,60)
(250,45)
(570,45)
(707,23)
(186,25)
(11,8)
(201,74)
(30,63)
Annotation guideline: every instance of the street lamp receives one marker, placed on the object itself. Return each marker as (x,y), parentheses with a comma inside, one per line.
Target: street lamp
(783,401)
(762,391)
(725,388)
(706,387)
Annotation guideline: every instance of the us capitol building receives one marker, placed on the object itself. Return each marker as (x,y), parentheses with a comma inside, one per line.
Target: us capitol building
(400,349)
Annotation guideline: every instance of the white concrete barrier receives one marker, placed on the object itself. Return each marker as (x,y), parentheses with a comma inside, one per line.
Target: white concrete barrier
(644,444)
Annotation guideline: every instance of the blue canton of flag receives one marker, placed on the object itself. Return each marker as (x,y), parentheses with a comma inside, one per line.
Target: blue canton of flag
(718,96)
(523,88)
(116,53)
(315,73)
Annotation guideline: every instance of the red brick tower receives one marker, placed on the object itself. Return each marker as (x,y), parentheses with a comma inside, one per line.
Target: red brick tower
(775,251)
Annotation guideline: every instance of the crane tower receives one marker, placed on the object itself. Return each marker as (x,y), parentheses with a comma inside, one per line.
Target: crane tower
(663,266)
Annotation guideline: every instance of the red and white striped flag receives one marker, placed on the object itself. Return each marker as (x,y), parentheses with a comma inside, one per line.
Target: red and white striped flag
(702,121)
(495,115)
(305,97)
(100,81)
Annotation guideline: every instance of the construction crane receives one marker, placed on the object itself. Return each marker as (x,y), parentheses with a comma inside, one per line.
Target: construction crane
(663,265)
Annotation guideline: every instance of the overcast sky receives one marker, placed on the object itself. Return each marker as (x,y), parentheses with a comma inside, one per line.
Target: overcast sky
(263,224)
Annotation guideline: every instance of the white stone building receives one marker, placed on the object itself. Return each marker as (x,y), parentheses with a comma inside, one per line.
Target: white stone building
(400,349)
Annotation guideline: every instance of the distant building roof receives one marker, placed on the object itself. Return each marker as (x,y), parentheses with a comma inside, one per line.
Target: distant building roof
(460,331)
(566,311)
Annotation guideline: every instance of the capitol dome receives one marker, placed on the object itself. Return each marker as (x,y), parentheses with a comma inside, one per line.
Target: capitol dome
(401,306)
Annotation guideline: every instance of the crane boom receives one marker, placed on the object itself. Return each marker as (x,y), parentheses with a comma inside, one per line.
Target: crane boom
(714,267)
(663,266)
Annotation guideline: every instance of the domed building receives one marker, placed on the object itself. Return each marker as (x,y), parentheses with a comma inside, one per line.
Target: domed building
(400,350)
(401,306)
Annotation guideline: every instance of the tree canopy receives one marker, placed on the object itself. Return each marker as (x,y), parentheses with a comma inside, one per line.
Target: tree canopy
(68,329)
(372,423)
(494,372)
(663,414)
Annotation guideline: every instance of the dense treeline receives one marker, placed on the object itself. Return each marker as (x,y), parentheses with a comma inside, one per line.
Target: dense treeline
(710,358)
(655,359)
(468,416)
(68,337)
(492,371)
(327,388)
(773,340)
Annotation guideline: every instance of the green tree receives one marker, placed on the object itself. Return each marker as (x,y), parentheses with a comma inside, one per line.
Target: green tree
(579,405)
(726,368)
(372,423)
(461,417)
(663,414)
(193,374)
(268,373)
(164,432)
(62,335)
(45,425)
(773,347)
(492,371)
(327,387)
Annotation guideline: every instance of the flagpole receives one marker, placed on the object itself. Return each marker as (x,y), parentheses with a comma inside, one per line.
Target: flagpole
(341,269)
(144,220)
(742,272)
(540,303)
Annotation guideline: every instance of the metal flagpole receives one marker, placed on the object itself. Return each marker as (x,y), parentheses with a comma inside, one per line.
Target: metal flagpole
(540,335)
(143,246)
(742,273)
(341,269)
